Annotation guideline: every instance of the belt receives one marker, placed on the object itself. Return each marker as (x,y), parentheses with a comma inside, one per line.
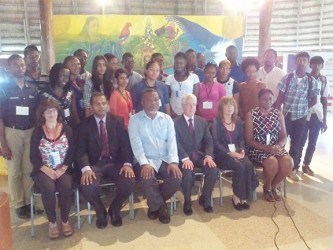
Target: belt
(20,127)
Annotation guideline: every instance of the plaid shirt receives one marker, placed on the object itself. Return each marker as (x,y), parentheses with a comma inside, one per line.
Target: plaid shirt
(296,97)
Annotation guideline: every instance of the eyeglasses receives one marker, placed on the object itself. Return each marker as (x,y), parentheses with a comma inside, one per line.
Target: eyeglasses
(50,111)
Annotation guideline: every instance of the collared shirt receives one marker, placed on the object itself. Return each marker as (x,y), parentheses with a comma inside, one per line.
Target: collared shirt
(17,106)
(153,140)
(200,73)
(271,78)
(88,90)
(231,86)
(237,73)
(161,89)
(187,120)
(296,97)
(133,79)
(318,107)
(98,121)
(42,81)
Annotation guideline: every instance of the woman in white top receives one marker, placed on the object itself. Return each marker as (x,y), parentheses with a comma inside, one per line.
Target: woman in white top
(180,83)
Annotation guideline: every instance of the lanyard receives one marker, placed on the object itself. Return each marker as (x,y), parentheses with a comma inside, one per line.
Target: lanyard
(180,85)
(210,90)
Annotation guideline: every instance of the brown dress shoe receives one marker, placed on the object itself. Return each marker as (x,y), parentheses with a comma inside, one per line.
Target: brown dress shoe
(67,229)
(307,170)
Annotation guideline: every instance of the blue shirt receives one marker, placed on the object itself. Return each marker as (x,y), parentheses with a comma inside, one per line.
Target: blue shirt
(153,140)
(161,89)
(296,96)
(237,73)
(200,73)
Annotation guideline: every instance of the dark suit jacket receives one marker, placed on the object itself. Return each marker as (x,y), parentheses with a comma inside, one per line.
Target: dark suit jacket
(203,139)
(89,145)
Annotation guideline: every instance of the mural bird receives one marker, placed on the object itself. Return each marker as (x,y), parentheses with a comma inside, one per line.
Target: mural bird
(200,39)
(125,33)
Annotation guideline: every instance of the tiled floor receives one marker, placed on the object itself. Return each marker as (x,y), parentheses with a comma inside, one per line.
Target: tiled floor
(309,203)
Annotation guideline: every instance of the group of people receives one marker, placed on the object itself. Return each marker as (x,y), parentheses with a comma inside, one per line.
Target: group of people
(155,131)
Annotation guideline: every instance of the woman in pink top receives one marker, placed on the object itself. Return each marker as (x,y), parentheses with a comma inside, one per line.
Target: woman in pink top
(120,100)
(209,94)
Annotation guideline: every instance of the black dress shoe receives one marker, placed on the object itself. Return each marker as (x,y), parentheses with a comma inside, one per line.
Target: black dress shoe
(187,209)
(237,206)
(36,210)
(116,219)
(246,205)
(163,214)
(22,213)
(202,200)
(207,207)
(152,215)
(102,220)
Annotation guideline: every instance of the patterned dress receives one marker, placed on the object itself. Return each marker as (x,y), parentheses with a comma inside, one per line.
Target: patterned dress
(263,125)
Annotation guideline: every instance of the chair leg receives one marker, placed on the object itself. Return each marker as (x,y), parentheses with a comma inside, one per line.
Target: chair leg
(220,188)
(32,214)
(77,201)
(254,195)
(89,211)
(131,206)
(285,187)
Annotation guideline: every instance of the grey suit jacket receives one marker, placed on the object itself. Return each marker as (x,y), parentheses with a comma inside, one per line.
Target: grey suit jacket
(203,138)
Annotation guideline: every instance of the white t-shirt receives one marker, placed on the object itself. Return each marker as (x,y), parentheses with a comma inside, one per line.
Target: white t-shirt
(271,79)
(178,89)
(318,107)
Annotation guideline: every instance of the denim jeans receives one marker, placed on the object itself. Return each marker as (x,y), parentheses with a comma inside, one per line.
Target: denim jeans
(311,132)
(295,129)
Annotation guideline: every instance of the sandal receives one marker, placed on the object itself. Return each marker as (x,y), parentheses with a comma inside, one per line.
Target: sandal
(276,194)
(268,195)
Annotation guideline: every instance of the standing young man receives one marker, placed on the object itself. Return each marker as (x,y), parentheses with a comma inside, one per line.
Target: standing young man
(298,91)
(316,118)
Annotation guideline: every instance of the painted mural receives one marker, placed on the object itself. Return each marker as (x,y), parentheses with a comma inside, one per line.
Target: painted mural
(145,35)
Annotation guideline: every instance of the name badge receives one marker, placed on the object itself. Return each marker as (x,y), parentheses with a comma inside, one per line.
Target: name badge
(207,105)
(55,159)
(160,102)
(268,139)
(232,147)
(22,110)
(66,113)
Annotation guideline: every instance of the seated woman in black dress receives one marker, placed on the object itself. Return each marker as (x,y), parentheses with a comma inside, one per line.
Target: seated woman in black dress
(265,135)
(51,155)
(229,146)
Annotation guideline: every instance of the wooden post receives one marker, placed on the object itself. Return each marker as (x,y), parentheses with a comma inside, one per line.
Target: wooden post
(47,52)
(265,19)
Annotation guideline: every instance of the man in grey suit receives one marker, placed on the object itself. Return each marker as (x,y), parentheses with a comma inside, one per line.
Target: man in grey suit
(195,150)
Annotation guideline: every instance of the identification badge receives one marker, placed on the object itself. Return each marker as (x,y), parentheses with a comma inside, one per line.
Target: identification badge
(268,139)
(160,102)
(66,113)
(232,147)
(22,110)
(207,105)
(55,158)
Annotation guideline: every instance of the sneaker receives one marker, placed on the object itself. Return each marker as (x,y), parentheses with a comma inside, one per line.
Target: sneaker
(307,170)
(293,176)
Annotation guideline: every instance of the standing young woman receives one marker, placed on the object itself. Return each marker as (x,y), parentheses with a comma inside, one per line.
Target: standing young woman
(209,94)
(97,83)
(152,73)
(51,154)
(120,100)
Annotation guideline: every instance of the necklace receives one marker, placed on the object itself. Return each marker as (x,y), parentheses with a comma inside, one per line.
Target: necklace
(227,123)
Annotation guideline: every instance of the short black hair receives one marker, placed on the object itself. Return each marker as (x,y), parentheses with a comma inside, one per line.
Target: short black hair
(271,50)
(146,91)
(125,56)
(78,51)
(303,54)
(190,51)
(210,65)
(317,60)
(265,91)
(109,56)
(30,48)
(250,61)
(230,47)
(12,58)
(180,55)
(120,71)
(157,54)
(68,58)
(96,94)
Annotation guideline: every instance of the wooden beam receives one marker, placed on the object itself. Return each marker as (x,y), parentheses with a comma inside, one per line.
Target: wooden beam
(265,19)
(47,52)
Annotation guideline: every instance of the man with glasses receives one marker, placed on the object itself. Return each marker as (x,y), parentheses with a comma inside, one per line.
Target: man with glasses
(133,77)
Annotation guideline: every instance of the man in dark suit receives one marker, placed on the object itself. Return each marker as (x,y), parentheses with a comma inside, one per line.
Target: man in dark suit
(104,151)
(195,150)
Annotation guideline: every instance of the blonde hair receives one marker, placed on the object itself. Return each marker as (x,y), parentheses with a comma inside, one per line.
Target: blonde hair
(225,101)
(225,62)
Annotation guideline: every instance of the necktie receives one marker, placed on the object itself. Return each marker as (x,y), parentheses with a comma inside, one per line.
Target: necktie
(194,153)
(104,140)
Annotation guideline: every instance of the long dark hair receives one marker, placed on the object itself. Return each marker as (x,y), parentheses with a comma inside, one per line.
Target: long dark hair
(105,83)
(54,75)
